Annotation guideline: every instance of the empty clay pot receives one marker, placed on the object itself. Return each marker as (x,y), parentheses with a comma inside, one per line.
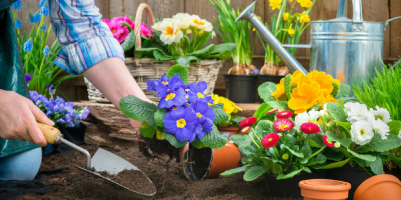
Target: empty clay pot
(322,189)
(210,163)
(379,187)
(228,131)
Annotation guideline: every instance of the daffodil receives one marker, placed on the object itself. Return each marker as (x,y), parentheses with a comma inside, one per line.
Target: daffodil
(286,16)
(171,31)
(307,4)
(275,4)
(304,18)
(291,31)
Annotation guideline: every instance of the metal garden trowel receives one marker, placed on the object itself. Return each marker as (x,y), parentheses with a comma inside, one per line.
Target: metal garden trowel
(102,160)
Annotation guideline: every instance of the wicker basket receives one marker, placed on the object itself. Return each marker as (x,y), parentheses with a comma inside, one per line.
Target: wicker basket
(146,69)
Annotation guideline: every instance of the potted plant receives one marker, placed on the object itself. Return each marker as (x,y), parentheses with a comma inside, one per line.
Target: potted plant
(231,126)
(240,85)
(287,27)
(183,115)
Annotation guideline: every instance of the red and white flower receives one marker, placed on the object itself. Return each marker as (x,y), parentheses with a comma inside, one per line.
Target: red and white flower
(282,125)
(246,129)
(310,128)
(248,122)
(284,114)
(327,141)
(270,140)
(272,111)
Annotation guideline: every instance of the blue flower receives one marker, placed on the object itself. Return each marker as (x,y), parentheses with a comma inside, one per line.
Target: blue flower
(28,78)
(28,46)
(17,5)
(255,71)
(152,84)
(51,89)
(82,114)
(181,123)
(168,84)
(33,95)
(35,18)
(46,51)
(205,116)
(44,27)
(42,3)
(18,23)
(173,98)
(196,92)
(44,10)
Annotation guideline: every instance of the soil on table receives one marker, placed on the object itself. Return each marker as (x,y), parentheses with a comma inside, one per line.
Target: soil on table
(167,176)
(153,148)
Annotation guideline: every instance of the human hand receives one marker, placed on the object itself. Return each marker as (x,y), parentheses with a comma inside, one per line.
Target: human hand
(18,116)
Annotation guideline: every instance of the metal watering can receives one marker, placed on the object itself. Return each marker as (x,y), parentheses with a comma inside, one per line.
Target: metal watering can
(349,50)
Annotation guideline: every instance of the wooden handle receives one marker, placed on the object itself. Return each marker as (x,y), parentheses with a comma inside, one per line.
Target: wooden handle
(51,134)
(138,20)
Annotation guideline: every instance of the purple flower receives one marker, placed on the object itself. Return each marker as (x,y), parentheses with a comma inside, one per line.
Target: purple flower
(205,116)
(168,84)
(51,89)
(28,78)
(152,84)
(82,114)
(196,92)
(255,71)
(173,98)
(181,123)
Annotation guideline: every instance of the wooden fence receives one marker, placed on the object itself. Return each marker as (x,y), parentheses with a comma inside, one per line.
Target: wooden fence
(373,10)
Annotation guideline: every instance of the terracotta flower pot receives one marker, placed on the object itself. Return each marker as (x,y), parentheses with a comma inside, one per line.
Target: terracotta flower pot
(228,131)
(321,189)
(210,163)
(379,187)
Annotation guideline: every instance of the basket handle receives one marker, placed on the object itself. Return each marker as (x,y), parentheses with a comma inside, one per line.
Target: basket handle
(138,20)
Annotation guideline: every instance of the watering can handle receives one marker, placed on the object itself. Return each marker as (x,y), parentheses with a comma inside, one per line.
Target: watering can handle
(357,6)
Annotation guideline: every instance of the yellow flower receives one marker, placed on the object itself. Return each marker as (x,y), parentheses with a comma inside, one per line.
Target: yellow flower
(291,31)
(280,90)
(307,4)
(305,96)
(325,81)
(229,106)
(286,16)
(305,18)
(275,4)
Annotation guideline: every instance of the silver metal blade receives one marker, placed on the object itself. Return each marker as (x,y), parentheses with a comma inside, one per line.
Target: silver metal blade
(106,161)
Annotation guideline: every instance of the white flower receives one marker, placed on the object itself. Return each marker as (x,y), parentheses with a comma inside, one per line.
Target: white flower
(170,31)
(213,34)
(361,132)
(304,117)
(381,128)
(381,113)
(348,106)
(201,24)
(184,19)
(399,134)
(156,26)
(358,112)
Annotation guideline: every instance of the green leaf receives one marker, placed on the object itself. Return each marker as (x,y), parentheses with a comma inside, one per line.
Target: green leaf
(333,137)
(289,140)
(186,60)
(345,125)
(151,121)
(377,166)
(261,111)
(220,48)
(336,111)
(263,128)
(334,155)
(366,157)
(241,139)
(221,116)
(197,144)
(317,107)
(334,165)
(202,40)
(265,91)
(254,172)
(159,117)
(299,155)
(344,91)
(289,175)
(281,105)
(129,41)
(234,171)
(319,159)
(334,92)
(213,139)
(158,55)
(173,140)
(203,52)
(312,143)
(136,108)
(274,168)
(147,130)
(379,145)
(181,70)
(395,127)
(396,160)
(287,86)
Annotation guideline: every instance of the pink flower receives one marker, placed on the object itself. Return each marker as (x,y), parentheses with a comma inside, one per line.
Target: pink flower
(284,114)
(246,129)
(327,141)
(310,128)
(121,34)
(247,122)
(282,125)
(270,140)
(145,30)
(272,111)
(125,19)
(107,21)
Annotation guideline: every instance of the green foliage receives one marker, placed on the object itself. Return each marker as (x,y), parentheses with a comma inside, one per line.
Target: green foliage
(333,165)
(287,86)
(129,41)
(261,111)
(147,130)
(234,171)
(213,139)
(180,70)
(137,109)
(254,172)
(281,105)
(344,91)
(221,116)
(336,111)
(379,145)
(265,91)
(173,140)
(159,117)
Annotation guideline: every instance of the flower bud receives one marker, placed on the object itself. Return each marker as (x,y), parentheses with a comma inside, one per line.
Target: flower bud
(285,156)
(337,145)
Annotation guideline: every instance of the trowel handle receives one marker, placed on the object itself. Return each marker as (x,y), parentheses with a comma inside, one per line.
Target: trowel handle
(52,135)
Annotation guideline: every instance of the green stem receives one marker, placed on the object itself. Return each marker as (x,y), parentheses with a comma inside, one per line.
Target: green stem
(317,152)
(276,152)
(256,135)
(253,140)
(307,138)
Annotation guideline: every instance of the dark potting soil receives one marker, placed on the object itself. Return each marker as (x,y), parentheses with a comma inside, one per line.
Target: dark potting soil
(167,176)
(133,180)
(153,148)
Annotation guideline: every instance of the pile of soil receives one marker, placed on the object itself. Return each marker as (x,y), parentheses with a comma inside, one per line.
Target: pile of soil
(167,176)
(132,179)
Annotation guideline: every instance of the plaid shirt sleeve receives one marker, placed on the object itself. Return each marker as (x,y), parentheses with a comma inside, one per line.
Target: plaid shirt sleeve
(85,40)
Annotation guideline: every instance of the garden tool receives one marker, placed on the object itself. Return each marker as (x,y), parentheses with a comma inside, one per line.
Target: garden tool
(349,50)
(102,160)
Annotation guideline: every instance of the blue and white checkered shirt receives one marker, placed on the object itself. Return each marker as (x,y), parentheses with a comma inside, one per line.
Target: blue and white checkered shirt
(84,38)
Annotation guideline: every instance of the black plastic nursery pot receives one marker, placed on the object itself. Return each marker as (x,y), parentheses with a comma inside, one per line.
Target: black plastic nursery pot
(263,78)
(289,187)
(353,175)
(241,88)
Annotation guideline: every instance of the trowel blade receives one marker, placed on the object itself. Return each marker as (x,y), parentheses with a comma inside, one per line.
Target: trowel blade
(106,161)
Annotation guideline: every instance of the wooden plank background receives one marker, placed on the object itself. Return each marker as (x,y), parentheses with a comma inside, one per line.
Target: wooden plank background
(373,10)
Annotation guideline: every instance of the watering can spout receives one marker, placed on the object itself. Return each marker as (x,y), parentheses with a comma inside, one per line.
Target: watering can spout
(268,37)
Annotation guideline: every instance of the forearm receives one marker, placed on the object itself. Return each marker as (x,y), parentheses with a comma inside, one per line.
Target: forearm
(114,80)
